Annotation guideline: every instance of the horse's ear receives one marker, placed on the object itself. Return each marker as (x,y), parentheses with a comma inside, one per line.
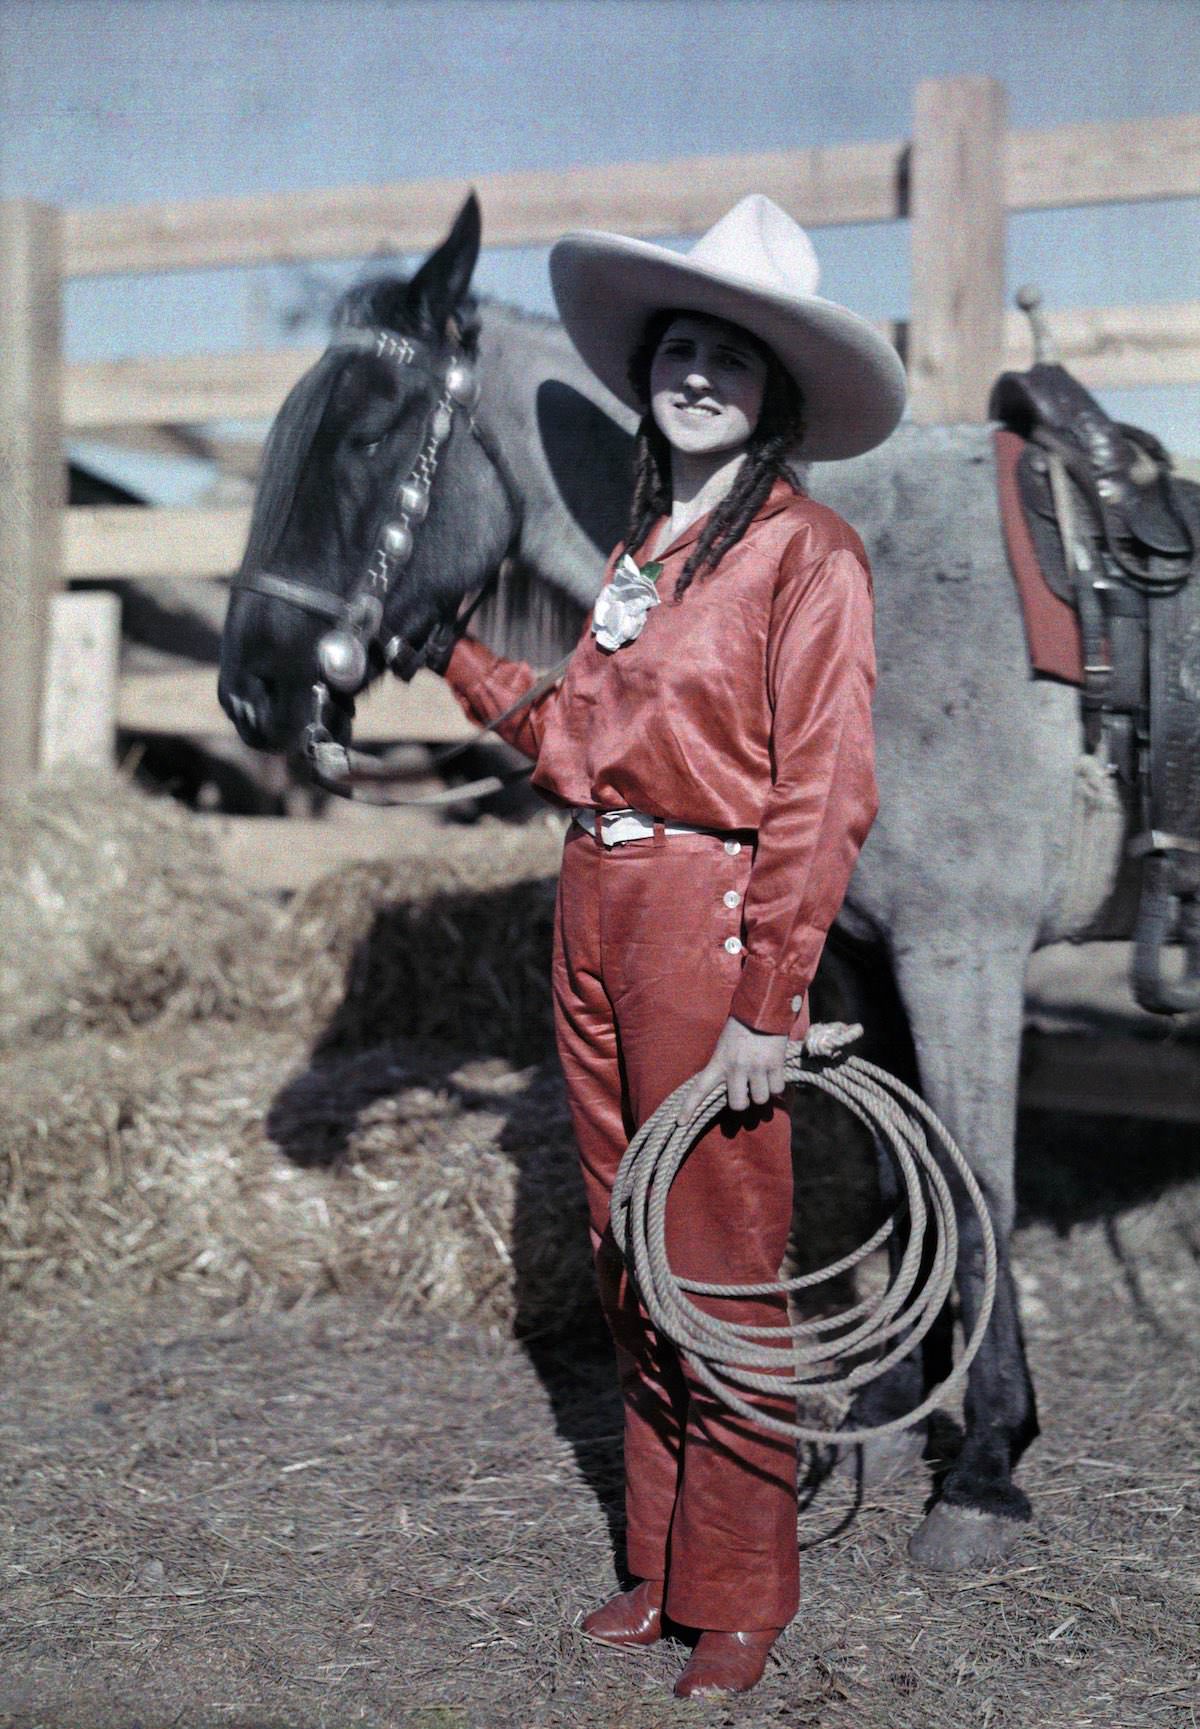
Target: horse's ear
(440,286)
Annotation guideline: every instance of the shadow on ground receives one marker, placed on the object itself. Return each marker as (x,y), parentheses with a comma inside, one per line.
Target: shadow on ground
(1071,1170)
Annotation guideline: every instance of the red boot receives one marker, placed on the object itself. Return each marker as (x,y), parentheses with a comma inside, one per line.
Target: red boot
(726,1663)
(630,1618)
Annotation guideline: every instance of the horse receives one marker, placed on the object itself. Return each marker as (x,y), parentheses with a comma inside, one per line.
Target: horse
(966,870)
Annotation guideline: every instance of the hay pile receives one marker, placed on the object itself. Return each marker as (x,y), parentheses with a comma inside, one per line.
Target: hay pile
(235,1170)
(114,911)
(208,1090)
(453,946)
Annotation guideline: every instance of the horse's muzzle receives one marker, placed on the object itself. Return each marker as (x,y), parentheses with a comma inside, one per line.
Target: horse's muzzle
(266,716)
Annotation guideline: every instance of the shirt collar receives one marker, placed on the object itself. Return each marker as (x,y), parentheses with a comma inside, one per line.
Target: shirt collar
(780,496)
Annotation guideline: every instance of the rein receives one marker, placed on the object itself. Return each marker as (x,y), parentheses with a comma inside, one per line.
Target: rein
(344,771)
(344,652)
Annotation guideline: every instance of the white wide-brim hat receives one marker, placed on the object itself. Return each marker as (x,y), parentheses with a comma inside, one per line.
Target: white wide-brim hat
(755,267)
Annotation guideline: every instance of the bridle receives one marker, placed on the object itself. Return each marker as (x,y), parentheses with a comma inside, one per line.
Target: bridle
(344,652)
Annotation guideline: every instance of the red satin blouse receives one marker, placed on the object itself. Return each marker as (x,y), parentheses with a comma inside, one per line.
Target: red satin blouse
(744,705)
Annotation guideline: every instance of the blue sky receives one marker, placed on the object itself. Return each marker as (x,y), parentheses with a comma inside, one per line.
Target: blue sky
(113,101)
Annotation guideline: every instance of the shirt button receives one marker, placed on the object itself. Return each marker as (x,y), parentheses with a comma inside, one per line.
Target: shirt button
(733,945)
(733,846)
(732,898)
(797,1005)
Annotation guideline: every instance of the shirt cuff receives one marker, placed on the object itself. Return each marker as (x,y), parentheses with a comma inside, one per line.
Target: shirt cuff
(770,1001)
(468,668)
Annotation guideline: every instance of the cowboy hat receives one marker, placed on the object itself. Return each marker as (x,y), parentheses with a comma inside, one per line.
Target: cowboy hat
(755,267)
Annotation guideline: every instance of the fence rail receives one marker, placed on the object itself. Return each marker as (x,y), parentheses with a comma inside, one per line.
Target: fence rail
(1104,346)
(1049,168)
(1108,346)
(186,702)
(956,180)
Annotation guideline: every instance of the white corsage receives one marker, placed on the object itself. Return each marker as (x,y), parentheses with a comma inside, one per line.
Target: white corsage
(619,614)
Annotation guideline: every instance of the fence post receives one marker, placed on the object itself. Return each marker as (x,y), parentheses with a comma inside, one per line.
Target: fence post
(956,198)
(32,471)
(79,701)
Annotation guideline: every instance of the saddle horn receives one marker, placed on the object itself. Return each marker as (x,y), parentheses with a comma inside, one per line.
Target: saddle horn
(1045,349)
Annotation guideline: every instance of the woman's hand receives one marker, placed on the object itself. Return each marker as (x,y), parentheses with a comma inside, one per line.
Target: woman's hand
(747,1064)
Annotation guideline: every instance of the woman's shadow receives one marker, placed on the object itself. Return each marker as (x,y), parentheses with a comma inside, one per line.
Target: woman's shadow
(452,996)
(449,993)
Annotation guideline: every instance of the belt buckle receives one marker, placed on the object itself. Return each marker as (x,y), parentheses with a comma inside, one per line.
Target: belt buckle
(616,817)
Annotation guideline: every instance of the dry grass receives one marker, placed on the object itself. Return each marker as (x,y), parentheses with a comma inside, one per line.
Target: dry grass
(361,1127)
(260,1106)
(454,947)
(231,1168)
(114,912)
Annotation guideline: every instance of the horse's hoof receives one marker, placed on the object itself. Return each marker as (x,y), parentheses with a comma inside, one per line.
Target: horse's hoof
(953,1539)
(877,1461)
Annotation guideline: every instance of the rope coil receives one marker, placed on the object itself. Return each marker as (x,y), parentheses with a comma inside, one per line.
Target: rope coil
(871,1335)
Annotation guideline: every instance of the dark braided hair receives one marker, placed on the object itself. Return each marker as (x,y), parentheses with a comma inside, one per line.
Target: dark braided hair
(769,451)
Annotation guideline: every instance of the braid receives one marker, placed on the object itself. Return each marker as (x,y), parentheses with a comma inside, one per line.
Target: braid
(651,483)
(770,452)
(731,518)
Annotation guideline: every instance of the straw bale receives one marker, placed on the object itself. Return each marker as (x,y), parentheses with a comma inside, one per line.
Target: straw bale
(209,1092)
(454,947)
(115,911)
(231,1166)
(235,1169)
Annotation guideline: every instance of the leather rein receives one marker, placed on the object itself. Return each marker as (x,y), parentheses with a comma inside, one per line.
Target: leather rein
(344,652)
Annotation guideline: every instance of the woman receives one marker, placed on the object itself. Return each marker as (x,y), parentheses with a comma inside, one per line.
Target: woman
(712,738)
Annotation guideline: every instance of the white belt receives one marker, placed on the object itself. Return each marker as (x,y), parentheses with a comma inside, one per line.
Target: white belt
(617,826)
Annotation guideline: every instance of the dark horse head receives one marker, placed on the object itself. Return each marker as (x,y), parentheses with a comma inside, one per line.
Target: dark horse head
(381,503)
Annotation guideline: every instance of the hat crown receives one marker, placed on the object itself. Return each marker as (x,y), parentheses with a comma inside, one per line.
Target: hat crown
(761,244)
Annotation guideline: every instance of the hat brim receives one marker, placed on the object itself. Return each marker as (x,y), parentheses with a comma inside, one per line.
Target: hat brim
(606,287)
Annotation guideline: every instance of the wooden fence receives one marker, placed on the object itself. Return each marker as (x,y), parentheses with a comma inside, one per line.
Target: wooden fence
(955,180)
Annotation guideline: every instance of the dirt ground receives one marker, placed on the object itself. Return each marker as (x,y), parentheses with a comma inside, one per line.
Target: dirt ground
(305,1420)
(335,1515)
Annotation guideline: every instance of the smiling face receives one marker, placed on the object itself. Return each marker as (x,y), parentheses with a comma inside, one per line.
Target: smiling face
(707,379)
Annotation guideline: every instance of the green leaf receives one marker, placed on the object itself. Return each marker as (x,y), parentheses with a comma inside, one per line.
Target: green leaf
(653,570)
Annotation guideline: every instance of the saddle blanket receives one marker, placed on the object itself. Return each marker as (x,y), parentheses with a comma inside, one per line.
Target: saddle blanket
(1051,626)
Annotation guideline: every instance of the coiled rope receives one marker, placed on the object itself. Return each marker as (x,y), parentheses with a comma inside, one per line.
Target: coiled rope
(831,1357)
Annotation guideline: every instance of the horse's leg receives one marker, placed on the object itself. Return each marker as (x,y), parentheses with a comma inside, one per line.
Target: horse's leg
(855,983)
(965,1011)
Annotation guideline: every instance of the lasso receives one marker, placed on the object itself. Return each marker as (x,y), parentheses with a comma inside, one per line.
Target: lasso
(871,1335)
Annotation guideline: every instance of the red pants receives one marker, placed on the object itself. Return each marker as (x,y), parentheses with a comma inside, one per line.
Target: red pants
(642,986)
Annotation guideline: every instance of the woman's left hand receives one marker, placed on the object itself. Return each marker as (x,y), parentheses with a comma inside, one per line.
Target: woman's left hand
(747,1064)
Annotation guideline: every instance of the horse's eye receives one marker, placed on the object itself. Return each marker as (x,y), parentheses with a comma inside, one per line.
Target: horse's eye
(370,437)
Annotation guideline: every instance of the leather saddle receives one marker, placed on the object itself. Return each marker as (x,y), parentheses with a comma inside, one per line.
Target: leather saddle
(1115,533)
(1129,505)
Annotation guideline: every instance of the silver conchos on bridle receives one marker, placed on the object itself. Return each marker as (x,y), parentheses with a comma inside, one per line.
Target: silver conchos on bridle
(343,652)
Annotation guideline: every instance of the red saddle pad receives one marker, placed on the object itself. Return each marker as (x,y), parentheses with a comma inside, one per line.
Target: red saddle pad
(1051,626)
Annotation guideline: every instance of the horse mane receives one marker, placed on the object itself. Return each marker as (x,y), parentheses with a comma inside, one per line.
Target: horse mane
(284,455)
(381,302)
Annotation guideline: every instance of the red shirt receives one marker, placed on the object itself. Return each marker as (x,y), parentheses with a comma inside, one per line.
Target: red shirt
(744,705)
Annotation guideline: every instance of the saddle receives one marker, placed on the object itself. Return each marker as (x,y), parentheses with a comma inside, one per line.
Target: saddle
(1114,535)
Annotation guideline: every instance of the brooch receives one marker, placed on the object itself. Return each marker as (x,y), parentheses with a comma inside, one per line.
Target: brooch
(619,614)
